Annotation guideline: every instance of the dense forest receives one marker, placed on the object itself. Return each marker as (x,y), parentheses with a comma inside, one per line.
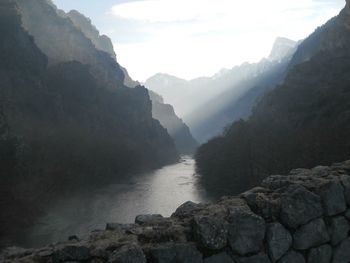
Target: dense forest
(65,123)
(300,123)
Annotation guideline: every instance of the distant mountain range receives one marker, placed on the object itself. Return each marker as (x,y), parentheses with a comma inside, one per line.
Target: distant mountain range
(208,105)
(302,122)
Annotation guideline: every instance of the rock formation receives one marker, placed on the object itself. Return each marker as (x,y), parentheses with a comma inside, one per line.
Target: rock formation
(165,113)
(176,128)
(300,217)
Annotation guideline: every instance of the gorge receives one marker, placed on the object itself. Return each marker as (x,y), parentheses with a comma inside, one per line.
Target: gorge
(97,167)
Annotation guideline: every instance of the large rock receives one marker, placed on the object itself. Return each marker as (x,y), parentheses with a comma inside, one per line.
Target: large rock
(345,179)
(278,239)
(332,195)
(292,257)
(145,219)
(175,253)
(219,258)
(262,202)
(71,253)
(210,232)
(246,231)
(342,252)
(128,254)
(311,235)
(299,206)
(339,229)
(187,209)
(322,254)
(261,258)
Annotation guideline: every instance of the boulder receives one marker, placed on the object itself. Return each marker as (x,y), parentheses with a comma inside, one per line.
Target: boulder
(278,239)
(261,202)
(173,253)
(332,196)
(187,209)
(128,254)
(342,252)
(299,206)
(210,232)
(71,253)
(147,219)
(274,182)
(345,180)
(292,257)
(310,235)
(219,258)
(322,254)
(261,258)
(321,171)
(339,229)
(246,231)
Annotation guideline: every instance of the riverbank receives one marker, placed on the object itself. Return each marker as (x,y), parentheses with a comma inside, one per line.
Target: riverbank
(159,191)
(298,217)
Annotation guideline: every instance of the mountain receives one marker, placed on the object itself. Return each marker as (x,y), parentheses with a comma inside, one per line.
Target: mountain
(165,113)
(302,122)
(208,105)
(61,41)
(84,24)
(67,121)
(282,48)
(176,128)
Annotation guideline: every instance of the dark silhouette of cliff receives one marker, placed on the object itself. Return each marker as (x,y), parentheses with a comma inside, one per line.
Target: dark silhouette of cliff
(63,124)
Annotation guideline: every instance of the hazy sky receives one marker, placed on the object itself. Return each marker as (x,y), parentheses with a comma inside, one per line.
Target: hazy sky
(192,38)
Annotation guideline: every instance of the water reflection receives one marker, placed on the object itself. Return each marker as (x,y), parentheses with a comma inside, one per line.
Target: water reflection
(161,191)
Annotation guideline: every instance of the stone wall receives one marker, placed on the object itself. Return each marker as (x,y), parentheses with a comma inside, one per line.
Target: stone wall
(295,218)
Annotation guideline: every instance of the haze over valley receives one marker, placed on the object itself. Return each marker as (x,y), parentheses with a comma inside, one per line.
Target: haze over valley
(130,129)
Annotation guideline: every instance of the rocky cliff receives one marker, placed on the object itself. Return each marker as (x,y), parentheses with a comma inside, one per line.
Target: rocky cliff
(165,113)
(177,129)
(61,41)
(300,217)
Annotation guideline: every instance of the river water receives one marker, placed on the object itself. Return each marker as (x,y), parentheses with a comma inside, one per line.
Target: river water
(160,192)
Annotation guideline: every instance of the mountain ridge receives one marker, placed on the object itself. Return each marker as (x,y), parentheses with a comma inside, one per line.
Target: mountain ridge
(300,123)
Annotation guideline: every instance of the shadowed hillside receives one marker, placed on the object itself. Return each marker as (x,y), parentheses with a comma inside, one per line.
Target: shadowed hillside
(65,126)
(301,123)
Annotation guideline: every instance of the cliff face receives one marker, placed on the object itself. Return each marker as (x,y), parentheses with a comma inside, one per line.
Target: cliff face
(61,41)
(101,42)
(300,217)
(177,129)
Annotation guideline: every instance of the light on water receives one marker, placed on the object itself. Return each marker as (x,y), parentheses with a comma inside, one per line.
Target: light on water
(160,192)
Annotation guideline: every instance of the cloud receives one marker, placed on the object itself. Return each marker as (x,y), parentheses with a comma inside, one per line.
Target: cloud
(181,36)
(187,10)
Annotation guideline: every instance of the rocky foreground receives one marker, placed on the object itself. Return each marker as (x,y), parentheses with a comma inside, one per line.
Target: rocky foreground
(300,217)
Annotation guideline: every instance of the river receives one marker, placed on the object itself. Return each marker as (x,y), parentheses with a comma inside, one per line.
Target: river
(160,191)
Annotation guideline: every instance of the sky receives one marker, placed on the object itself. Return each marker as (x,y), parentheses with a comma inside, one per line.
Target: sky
(193,38)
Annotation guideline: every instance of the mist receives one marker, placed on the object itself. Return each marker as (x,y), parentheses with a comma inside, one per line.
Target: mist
(174,131)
